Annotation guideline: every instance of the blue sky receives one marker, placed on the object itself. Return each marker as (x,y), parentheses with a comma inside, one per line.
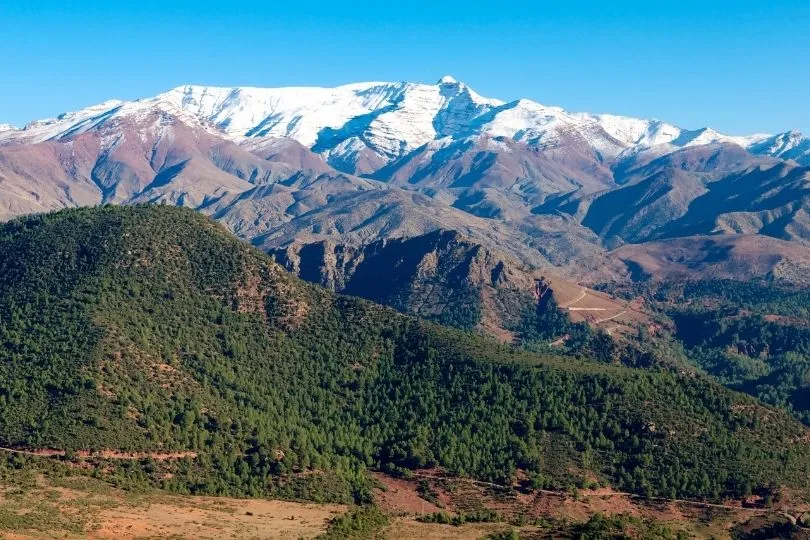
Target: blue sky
(737,66)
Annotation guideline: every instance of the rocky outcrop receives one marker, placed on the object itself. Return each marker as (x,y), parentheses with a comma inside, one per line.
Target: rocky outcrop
(440,276)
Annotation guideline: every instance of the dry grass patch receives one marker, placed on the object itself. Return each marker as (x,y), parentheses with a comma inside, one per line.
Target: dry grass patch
(86,508)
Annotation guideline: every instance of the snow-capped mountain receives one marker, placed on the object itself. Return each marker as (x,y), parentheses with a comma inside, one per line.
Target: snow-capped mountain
(100,117)
(282,165)
(790,145)
(362,127)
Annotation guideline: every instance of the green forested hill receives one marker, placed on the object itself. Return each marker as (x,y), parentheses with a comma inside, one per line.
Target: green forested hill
(751,336)
(152,328)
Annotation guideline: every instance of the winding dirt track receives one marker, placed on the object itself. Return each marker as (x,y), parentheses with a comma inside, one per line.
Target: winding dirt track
(582,294)
(606,319)
(105,454)
(636,496)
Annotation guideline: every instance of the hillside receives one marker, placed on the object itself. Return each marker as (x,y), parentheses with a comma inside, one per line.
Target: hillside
(447,278)
(752,336)
(439,276)
(734,256)
(373,161)
(152,329)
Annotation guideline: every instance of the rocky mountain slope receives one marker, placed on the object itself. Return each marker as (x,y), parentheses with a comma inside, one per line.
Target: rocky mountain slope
(372,161)
(732,256)
(438,276)
(445,277)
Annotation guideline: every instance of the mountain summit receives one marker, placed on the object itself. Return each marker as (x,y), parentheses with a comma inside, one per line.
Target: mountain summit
(361,127)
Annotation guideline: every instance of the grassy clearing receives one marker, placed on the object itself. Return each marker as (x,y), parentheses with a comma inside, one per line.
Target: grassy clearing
(80,507)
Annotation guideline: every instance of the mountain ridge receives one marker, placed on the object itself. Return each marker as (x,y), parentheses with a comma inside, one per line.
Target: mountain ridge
(391,118)
(369,161)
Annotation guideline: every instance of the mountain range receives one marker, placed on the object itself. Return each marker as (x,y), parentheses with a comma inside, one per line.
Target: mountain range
(371,161)
(579,313)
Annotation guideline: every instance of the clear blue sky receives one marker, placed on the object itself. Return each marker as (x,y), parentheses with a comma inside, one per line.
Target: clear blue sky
(738,66)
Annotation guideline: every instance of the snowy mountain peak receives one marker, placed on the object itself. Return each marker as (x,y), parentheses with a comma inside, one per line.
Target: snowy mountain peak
(361,127)
(371,122)
(789,145)
(144,113)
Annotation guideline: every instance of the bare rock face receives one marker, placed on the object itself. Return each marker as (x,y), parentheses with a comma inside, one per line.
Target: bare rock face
(440,276)
(288,152)
(774,202)
(149,157)
(497,177)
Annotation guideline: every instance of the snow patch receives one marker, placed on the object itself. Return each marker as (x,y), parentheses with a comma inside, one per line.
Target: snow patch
(391,119)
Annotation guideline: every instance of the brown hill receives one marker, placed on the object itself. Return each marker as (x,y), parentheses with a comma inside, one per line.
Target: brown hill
(446,277)
(721,256)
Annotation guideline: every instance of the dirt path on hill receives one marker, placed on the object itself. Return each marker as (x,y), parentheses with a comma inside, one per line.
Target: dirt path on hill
(105,454)
(625,494)
(599,321)
(582,294)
